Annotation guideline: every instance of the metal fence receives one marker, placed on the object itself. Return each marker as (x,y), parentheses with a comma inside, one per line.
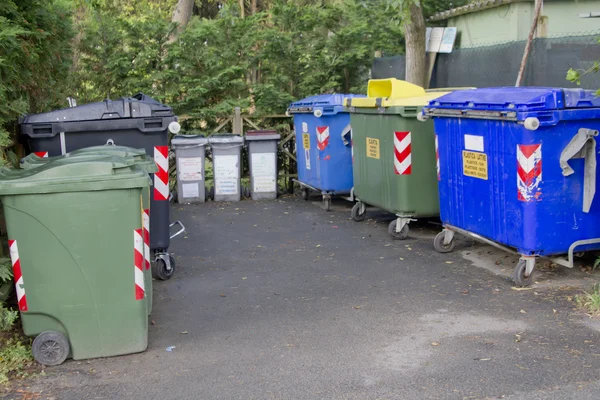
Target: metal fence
(498,65)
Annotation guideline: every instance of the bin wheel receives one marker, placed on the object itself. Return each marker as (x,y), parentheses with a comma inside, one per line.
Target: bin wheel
(304,194)
(356,214)
(327,203)
(161,271)
(520,278)
(440,247)
(50,348)
(403,234)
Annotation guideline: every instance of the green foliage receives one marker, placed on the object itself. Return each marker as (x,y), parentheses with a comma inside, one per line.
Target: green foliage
(35,57)
(8,318)
(590,301)
(575,76)
(14,358)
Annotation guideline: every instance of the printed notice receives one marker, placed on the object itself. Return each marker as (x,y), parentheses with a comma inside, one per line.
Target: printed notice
(306,141)
(264,169)
(372,148)
(226,174)
(190,169)
(474,142)
(190,190)
(475,164)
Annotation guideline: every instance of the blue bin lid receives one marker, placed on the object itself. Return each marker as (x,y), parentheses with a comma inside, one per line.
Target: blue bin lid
(320,101)
(518,99)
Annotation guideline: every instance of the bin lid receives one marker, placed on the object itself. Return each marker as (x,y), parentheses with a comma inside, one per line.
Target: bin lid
(139,106)
(262,135)
(189,141)
(138,156)
(392,106)
(518,99)
(226,139)
(74,174)
(328,103)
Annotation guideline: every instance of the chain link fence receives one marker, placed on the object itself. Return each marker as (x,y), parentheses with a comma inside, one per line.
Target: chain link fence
(498,65)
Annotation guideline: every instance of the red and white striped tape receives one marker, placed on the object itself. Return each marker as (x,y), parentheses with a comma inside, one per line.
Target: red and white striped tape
(402,153)
(16,264)
(161,178)
(437,157)
(529,172)
(322,137)
(42,154)
(138,261)
(146,231)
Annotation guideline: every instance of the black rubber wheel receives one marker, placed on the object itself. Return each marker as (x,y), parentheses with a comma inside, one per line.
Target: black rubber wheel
(160,269)
(403,234)
(50,348)
(355,212)
(327,204)
(305,194)
(519,275)
(439,246)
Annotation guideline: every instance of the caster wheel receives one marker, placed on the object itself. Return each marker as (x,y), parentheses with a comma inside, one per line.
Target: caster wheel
(50,348)
(160,270)
(440,247)
(356,214)
(327,204)
(403,234)
(520,278)
(304,194)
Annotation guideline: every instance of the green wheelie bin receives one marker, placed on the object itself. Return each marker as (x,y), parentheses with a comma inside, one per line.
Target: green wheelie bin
(394,154)
(144,162)
(76,246)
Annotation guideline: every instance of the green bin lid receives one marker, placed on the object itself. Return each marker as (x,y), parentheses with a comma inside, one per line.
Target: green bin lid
(139,156)
(74,174)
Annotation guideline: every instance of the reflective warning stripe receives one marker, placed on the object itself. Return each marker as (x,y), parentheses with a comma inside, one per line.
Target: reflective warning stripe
(42,154)
(161,178)
(529,172)
(16,265)
(437,157)
(146,231)
(402,153)
(322,137)
(138,261)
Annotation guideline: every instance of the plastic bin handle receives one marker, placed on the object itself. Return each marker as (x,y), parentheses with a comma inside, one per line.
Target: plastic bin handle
(583,145)
(347,135)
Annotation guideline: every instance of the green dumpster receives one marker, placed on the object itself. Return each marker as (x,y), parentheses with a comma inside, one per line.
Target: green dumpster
(76,246)
(143,161)
(394,157)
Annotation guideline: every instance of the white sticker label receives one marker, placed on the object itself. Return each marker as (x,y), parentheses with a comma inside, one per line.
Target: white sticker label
(264,167)
(190,169)
(474,143)
(307,158)
(190,190)
(226,170)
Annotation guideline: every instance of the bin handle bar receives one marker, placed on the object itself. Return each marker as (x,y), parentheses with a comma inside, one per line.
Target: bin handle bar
(582,145)
(179,232)
(347,135)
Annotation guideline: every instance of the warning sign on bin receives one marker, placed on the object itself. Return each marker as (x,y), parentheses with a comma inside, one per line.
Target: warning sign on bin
(372,148)
(306,141)
(475,164)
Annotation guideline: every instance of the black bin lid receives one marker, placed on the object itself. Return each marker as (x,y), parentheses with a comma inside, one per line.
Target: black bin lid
(138,106)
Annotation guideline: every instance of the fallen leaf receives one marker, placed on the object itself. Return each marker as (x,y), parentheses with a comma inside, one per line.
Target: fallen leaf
(244,278)
(318,245)
(334,226)
(401,259)
(259,246)
(517,337)
(408,248)
(520,288)
(435,344)
(152,322)
(387,245)
(223,295)
(356,307)
(184,333)
(448,262)
(482,359)
(523,312)
(554,311)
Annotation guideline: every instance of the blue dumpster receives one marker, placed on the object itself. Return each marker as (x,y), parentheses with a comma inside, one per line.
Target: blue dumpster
(323,145)
(517,169)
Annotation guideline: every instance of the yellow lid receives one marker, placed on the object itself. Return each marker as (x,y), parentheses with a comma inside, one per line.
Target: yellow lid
(393,89)
(419,101)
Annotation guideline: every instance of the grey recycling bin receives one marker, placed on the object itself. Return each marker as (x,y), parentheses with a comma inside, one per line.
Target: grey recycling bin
(227,166)
(262,158)
(190,155)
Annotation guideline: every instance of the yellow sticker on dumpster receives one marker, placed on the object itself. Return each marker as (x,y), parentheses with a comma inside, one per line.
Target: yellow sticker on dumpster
(306,141)
(373,148)
(475,164)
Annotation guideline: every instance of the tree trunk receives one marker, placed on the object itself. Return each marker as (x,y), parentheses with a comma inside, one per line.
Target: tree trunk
(414,32)
(253,7)
(242,9)
(181,16)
